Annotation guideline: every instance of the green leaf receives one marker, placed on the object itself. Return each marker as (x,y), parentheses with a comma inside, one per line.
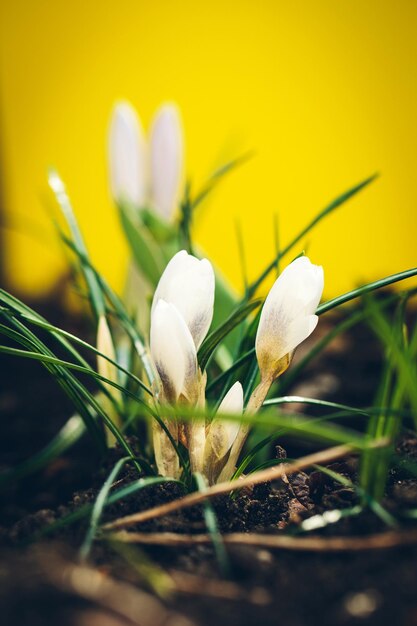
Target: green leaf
(321,215)
(85,510)
(46,358)
(58,187)
(68,383)
(225,375)
(217,176)
(122,315)
(314,402)
(210,519)
(68,435)
(162,231)
(345,324)
(98,507)
(57,333)
(212,341)
(145,251)
(360,291)
(80,396)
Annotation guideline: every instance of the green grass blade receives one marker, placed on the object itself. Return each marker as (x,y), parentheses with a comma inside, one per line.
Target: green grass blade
(64,379)
(31,316)
(74,389)
(285,382)
(58,187)
(46,358)
(120,312)
(271,419)
(59,369)
(153,576)
(217,175)
(85,510)
(314,402)
(98,507)
(68,435)
(324,308)
(145,251)
(374,505)
(55,331)
(402,358)
(336,203)
(210,519)
(214,338)
(360,291)
(225,375)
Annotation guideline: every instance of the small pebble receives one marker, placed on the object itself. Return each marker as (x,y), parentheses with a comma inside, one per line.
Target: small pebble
(362,604)
(264,556)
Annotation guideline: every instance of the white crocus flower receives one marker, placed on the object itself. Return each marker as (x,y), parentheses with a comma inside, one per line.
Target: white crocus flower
(175,358)
(181,315)
(188,283)
(128,161)
(174,354)
(146,173)
(166,160)
(222,433)
(288,315)
(287,318)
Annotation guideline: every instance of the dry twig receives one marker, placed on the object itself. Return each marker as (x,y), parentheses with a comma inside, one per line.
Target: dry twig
(390,539)
(262,476)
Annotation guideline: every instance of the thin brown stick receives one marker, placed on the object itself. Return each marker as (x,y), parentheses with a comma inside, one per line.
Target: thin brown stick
(133,606)
(192,584)
(272,473)
(390,539)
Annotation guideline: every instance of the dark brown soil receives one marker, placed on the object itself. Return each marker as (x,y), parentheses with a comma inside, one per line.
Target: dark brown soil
(45,583)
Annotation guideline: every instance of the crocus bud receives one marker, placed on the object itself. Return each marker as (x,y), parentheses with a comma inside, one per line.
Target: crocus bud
(188,284)
(166,160)
(222,433)
(288,316)
(174,354)
(127,157)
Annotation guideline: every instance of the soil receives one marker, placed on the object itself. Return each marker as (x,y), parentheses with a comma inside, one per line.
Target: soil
(44,582)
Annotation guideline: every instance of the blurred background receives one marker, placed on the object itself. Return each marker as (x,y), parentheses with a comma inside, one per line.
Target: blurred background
(323,92)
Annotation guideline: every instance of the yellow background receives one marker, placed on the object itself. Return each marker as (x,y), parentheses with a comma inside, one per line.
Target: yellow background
(325,93)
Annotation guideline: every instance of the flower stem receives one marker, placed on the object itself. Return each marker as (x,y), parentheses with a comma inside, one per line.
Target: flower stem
(255,402)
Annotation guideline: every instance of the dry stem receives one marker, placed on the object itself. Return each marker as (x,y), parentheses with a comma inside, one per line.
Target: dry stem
(390,539)
(272,473)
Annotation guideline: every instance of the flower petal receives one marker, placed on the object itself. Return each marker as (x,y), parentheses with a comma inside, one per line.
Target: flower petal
(296,333)
(231,403)
(166,160)
(287,317)
(188,283)
(127,156)
(222,433)
(173,352)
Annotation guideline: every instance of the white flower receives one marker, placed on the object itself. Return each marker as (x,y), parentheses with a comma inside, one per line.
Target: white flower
(166,160)
(188,284)
(288,315)
(127,157)
(222,433)
(181,314)
(141,174)
(173,352)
